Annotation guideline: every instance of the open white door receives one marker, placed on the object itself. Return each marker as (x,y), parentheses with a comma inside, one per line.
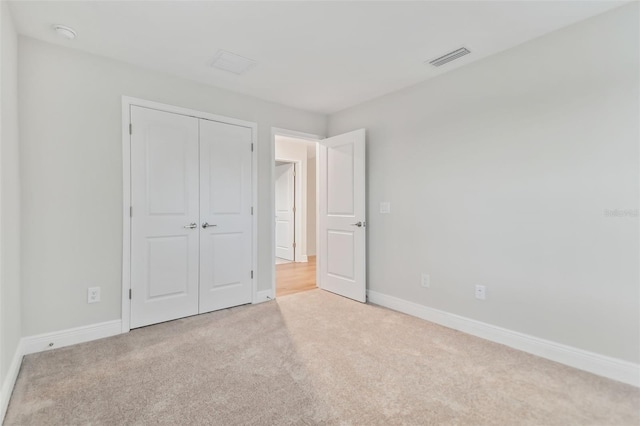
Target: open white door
(342,215)
(285,187)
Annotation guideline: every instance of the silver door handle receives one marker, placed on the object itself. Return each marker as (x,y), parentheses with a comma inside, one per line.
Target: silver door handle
(206,225)
(191,226)
(358,224)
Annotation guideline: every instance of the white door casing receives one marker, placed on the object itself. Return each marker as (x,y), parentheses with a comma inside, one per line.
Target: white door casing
(342,215)
(164,228)
(285,200)
(225,216)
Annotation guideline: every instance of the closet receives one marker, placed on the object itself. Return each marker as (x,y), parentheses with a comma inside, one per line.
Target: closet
(191,224)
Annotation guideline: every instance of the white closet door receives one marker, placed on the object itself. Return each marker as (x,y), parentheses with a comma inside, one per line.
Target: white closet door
(164,240)
(225,215)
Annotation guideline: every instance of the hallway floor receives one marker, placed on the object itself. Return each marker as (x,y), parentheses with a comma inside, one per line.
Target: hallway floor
(295,277)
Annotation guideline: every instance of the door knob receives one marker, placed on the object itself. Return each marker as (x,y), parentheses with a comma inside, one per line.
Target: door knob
(191,226)
(358,224)
(206,225)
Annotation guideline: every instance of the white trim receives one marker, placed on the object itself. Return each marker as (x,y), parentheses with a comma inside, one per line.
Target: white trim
(318,259)
(10,380)
(612,368)
(126,217)
(264,296)
(272,192)
(256,212)
(41,342)
(127,102)
(70,336)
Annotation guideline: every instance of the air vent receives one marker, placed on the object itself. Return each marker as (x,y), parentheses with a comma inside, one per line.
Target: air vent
(451,56)
(231,62)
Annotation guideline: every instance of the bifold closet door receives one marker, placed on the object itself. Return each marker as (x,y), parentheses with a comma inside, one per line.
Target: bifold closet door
(225,215)
(165,220)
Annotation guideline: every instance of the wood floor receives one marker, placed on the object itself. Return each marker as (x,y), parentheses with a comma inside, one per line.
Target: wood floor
(295,277)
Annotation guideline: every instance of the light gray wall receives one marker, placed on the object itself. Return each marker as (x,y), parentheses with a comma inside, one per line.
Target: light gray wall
(311,206)
(70,124)
(500,173)
(10,329)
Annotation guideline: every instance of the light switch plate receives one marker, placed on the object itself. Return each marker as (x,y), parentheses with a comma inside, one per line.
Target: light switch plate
(385,207)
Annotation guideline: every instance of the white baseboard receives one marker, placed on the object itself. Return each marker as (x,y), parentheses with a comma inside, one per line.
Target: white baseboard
(612,368)
(10,380)
(303,258)
(42,342)
(71,336)
(263,296)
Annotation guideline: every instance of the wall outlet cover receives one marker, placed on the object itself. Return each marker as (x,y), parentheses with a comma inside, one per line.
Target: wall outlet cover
(385,207)
(425,280)
(93,294)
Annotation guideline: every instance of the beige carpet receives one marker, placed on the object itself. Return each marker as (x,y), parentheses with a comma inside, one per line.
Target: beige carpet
(309,358)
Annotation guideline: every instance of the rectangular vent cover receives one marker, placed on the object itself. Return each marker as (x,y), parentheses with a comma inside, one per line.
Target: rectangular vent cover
(229,61)
(451,56)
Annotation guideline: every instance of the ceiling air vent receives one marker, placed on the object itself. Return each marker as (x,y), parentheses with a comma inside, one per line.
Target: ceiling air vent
(228,61)
(451,56)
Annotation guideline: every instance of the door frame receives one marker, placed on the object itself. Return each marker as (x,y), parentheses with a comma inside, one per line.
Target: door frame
(276,131)
(297,215)
(127,103)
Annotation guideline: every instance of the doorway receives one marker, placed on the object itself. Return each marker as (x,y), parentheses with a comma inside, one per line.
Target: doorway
(340,221)
(295,214)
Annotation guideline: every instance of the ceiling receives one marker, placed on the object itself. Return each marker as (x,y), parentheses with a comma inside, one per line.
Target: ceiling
(316,56)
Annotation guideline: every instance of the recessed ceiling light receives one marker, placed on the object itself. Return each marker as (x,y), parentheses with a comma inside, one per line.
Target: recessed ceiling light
(65,31)
(228,61)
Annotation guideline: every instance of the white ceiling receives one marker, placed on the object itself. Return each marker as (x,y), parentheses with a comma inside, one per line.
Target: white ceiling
(316,56)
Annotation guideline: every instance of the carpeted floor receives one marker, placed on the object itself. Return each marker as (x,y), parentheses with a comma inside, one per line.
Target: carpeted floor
(309,358)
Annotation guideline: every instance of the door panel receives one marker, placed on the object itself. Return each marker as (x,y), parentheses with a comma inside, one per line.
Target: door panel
(164,192)
(226,263)
(225,205)
(168,266)
(340,190)
(167,174)
(342,243)
(224,177)
(341,260)
(285,218)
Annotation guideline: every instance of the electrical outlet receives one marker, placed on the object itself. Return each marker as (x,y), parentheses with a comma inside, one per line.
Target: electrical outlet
(385,207)
(425,280)
(93,294)
(481,292)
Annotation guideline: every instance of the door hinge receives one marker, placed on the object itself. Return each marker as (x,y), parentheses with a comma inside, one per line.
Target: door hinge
(294,172)
(251,211)
(130,211)
(129,294)
(130,128)
(294,209)
(251,274)
(294,244)
(251,147)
